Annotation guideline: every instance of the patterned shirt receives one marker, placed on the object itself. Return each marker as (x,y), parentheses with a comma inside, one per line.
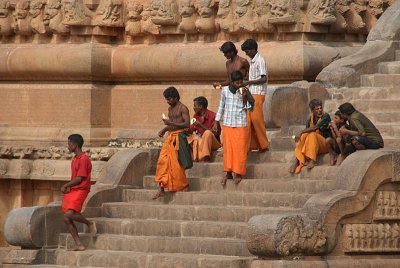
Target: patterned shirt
(231,107)
(323,124)
(258,68)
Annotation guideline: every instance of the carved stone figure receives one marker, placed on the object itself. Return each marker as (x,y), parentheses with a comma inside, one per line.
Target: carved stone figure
(355,23)
(109,13)
(374,11)
(261,8)
(282,11)
(53,17)
(5,18)
(348,237)
(322,11)
(245,16)
(75,13)
(134,16)
(206,21)
(36,10)
(189,17)
(22,18)
(165,12)
(342,9)
(147,25)
(379,205)
(395,236)
(225,16)
(386,203)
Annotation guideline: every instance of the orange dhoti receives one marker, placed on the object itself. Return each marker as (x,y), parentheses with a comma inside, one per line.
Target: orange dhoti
(236,144)
(202,146)
(256,124)
(74,200)
(170,173)
(308,147)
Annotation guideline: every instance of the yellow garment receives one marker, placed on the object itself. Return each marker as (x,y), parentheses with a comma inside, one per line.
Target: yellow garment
(255,121)
(204,145)
(169,173)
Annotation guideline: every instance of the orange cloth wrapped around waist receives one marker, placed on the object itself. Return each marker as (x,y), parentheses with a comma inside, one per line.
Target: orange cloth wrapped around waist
(255,120)
(169,173)
(74,200)
(204,145)
(235,144)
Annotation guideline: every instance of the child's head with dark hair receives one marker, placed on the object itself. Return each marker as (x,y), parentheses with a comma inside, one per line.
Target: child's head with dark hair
(236,79)
(201,101)
(75,141)
(170,93)
(249,44)
(347,108)
(338,119)
(229,49)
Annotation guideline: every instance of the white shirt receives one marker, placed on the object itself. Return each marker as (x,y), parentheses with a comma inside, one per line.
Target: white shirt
(231,107)
(258,68)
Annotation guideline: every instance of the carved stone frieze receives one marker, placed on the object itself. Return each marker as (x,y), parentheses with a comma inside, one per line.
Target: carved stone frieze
(322,11)
(367,238)
(109,13)
(165,12)
(342,9)
(262,10)
(244,15)
(53,17)
(374,11)
(387,206)
(37,12)
(206,20)
(354,18)
(282,11)
(134,9)
(148,26)
(187,11)
(22,18)
(75,13)
(225,16)
(5,18)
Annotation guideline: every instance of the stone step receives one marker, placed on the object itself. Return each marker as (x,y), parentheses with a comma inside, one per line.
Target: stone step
(380,80)
(264,171)
(277,185)
(159,244)
(392,142)
(171,228)
(389,129)
(392,67)
(272,156)
(397,56)
(219,199)
(370,106)
(108,258)
(187,212)
(384,117)
(281,143)
(341,95)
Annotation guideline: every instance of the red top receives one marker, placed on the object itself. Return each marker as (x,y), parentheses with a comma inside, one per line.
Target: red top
(81,166)
(207,120)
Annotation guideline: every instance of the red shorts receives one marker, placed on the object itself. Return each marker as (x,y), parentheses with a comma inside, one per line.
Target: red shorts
(74,200)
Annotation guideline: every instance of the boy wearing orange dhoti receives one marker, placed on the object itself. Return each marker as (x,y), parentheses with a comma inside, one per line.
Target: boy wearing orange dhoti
(258,78)
(235,135)
(173,159)
(76,191)
(311,141)
(204,139)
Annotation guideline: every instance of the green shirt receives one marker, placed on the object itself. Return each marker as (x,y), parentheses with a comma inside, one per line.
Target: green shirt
(323,124)
(359,122)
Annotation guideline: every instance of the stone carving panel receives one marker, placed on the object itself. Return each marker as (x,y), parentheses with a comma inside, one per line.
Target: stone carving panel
(206,20)
(53,17)
(262,10)
(282,11)
(322,11)
(109,13)
(148,26)
(165,12)
(22,18)
(5,18)
(134,9)
(374,11)
(37,12)
(245,16)
(387,206)
(371,237)
(188,13)
(75,13)
(225,16)
(354,18)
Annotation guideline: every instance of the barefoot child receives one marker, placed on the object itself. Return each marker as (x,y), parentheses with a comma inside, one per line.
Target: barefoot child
(336,142)
(76,191)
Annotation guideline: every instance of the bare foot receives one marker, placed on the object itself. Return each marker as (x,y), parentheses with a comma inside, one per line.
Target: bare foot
(238,179)
(333,159)
(260,151)
(340,159)
(93,229)
(293,165)
(227,177)
(159,194)
(78,248)
(186,189)
(311,164)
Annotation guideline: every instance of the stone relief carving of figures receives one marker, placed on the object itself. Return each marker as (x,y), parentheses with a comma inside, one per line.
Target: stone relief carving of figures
(262,10)
(245,16)
(188,13)
(22,18)
(75,13)
(374,11)
(206,21)
(147,24)
(109,13)
(355,23)
(53,17)
(225,16)
(322,11)
(395,236)
(5,18)
(342,9)
(36,10)
(134,16)
(282,11)
(165,12)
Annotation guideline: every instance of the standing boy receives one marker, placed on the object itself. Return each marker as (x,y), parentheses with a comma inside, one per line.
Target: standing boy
(170,172)
(234,129)
(76,191)
(258,78)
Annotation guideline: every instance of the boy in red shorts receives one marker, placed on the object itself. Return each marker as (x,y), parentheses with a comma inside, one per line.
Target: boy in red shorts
(76,191)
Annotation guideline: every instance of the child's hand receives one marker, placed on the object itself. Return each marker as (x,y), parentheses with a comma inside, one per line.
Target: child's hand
(65,189)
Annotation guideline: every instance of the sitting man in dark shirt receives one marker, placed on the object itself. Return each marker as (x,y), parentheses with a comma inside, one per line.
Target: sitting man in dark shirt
(364,134)
(204,139)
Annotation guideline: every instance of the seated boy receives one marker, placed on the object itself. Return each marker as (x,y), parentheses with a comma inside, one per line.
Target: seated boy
(336,143)
(204,139)
(311,141)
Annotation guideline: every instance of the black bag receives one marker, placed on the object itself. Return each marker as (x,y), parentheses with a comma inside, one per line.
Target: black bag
(184,152)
